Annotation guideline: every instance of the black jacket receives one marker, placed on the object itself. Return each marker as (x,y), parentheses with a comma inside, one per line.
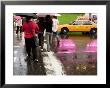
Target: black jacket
(48,25)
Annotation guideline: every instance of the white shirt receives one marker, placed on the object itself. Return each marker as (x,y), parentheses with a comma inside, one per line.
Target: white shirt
(19,22)
(55,25)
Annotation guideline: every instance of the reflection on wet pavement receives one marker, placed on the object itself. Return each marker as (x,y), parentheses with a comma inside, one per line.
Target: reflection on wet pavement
(62,62)
(84,60)
(35,68)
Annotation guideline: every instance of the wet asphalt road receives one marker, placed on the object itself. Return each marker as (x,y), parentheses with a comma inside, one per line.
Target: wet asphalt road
(50,64)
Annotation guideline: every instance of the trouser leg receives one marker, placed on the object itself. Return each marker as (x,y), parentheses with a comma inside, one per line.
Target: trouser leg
(54,41)
(28,47)
(20,29)
(17,30)
(34,52)
(50,38)
(20,32)
(48,42)
(28,50)
(39,36)
(42,41)
(53,37)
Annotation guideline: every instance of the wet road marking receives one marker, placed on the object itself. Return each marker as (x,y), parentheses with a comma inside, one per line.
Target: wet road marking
(15,58)
(15,52)
(52,65)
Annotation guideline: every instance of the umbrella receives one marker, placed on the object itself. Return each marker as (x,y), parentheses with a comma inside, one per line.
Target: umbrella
(26,14)
(56,14)
(17,18)
(44,14)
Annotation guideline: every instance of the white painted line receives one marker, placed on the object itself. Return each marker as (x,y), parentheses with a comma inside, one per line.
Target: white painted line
(52,65)
(15,52)
(15,58)
(56,64)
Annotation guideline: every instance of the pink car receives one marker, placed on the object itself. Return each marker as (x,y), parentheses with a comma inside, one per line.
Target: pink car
(91,47)
(91,51)
(66,49)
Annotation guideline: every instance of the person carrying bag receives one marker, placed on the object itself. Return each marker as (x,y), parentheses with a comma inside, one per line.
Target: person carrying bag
(30,30)
(35,37)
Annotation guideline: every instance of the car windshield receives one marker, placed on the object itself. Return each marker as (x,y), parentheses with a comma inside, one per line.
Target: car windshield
(87,23)
(77,23)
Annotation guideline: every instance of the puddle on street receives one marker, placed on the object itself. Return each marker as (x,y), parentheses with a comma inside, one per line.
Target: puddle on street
(84,60)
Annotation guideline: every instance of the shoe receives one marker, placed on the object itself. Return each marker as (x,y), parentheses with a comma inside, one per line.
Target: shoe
(48,50)
(36,60)
(42,50)
(27,58)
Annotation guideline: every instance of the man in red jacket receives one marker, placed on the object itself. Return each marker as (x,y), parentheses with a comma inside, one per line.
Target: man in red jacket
(30,30)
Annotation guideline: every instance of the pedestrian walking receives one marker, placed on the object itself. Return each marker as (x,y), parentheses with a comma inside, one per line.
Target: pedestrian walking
(55,38)
(48,26)
(41,24)
(19,26)
(55,25)
(30,30)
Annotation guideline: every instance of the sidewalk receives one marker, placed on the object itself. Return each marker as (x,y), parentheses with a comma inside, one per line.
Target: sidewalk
(21,67)
(48,63)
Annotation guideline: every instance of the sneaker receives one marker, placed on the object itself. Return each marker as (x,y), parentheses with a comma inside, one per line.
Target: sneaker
(36,60)
(42,50)
(48,50)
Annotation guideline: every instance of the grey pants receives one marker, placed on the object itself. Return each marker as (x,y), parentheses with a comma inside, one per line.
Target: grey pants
(49,40)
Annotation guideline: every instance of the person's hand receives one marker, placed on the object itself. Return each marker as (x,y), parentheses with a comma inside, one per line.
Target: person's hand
(36,35)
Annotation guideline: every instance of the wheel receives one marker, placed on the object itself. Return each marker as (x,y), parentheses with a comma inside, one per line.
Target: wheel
(83,33)
(93,31)
(64,30)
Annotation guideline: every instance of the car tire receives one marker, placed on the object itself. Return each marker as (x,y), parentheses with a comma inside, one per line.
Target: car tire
(64,30)
(93,36)
(93,31)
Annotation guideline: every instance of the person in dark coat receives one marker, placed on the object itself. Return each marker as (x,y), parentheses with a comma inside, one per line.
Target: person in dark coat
(48,26)
(41,24)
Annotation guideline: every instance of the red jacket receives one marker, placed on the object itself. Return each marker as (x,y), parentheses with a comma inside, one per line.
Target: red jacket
(26,29)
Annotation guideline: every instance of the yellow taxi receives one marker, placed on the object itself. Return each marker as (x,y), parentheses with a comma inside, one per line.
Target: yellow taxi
(79,26)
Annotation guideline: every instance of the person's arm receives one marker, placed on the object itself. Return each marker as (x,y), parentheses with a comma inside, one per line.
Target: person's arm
(22,29)
(37,29)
